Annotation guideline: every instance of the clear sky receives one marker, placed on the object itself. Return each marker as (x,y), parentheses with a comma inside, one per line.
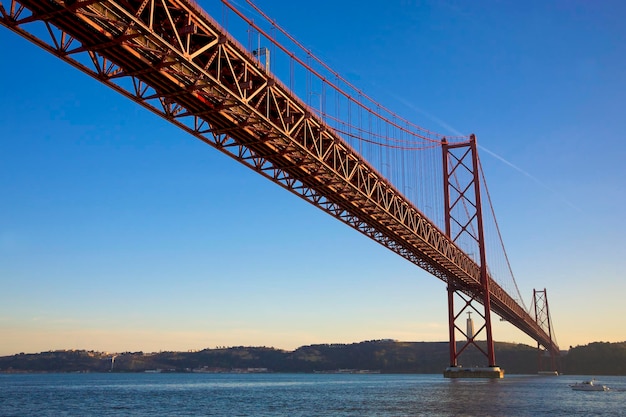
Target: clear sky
(119,232)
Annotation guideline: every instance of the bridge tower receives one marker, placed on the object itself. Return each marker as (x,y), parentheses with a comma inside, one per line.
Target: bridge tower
(546,359)
(463,219)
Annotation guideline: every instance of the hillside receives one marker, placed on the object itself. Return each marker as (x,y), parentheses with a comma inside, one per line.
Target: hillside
(385,356)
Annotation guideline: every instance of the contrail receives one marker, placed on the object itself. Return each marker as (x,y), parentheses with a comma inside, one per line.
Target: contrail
(430,116)
(515,167)
(454,131)
(535,179)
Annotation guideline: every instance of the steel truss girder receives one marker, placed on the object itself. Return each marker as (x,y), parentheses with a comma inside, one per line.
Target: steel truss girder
(326,163)
(172,58)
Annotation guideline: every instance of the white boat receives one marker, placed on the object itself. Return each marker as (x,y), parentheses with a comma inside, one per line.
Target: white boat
(589,385)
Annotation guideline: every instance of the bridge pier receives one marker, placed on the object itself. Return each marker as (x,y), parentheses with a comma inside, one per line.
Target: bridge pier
(494,372)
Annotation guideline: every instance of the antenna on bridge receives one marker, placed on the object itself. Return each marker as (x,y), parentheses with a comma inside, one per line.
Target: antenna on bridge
(262,51)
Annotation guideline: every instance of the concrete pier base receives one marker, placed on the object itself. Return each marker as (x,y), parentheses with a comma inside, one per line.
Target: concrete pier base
(460,372)
(548,373)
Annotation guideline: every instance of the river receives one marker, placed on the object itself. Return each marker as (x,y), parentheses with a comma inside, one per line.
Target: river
(258,395)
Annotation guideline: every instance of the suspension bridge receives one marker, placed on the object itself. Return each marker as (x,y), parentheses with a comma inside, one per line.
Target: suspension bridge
(249,89)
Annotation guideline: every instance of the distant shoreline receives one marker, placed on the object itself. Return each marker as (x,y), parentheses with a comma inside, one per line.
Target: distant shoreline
(377,356)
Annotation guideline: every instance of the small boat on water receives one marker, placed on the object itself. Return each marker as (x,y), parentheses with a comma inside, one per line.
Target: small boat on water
(589,385)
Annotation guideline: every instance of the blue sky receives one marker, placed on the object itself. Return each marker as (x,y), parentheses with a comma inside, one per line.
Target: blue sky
(119,232)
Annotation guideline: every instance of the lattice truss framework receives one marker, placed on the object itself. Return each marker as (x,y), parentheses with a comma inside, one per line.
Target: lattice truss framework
(542,312)
(175,60)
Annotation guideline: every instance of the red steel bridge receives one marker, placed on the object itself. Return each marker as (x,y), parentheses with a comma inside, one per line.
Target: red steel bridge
(275,107)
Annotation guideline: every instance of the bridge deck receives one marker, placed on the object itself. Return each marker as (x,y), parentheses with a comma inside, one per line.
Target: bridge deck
(178,62)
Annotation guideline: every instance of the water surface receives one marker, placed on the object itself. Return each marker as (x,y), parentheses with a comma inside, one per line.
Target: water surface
(293,395)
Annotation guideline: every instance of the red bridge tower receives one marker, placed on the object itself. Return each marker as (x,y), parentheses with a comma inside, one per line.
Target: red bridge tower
(463,218)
